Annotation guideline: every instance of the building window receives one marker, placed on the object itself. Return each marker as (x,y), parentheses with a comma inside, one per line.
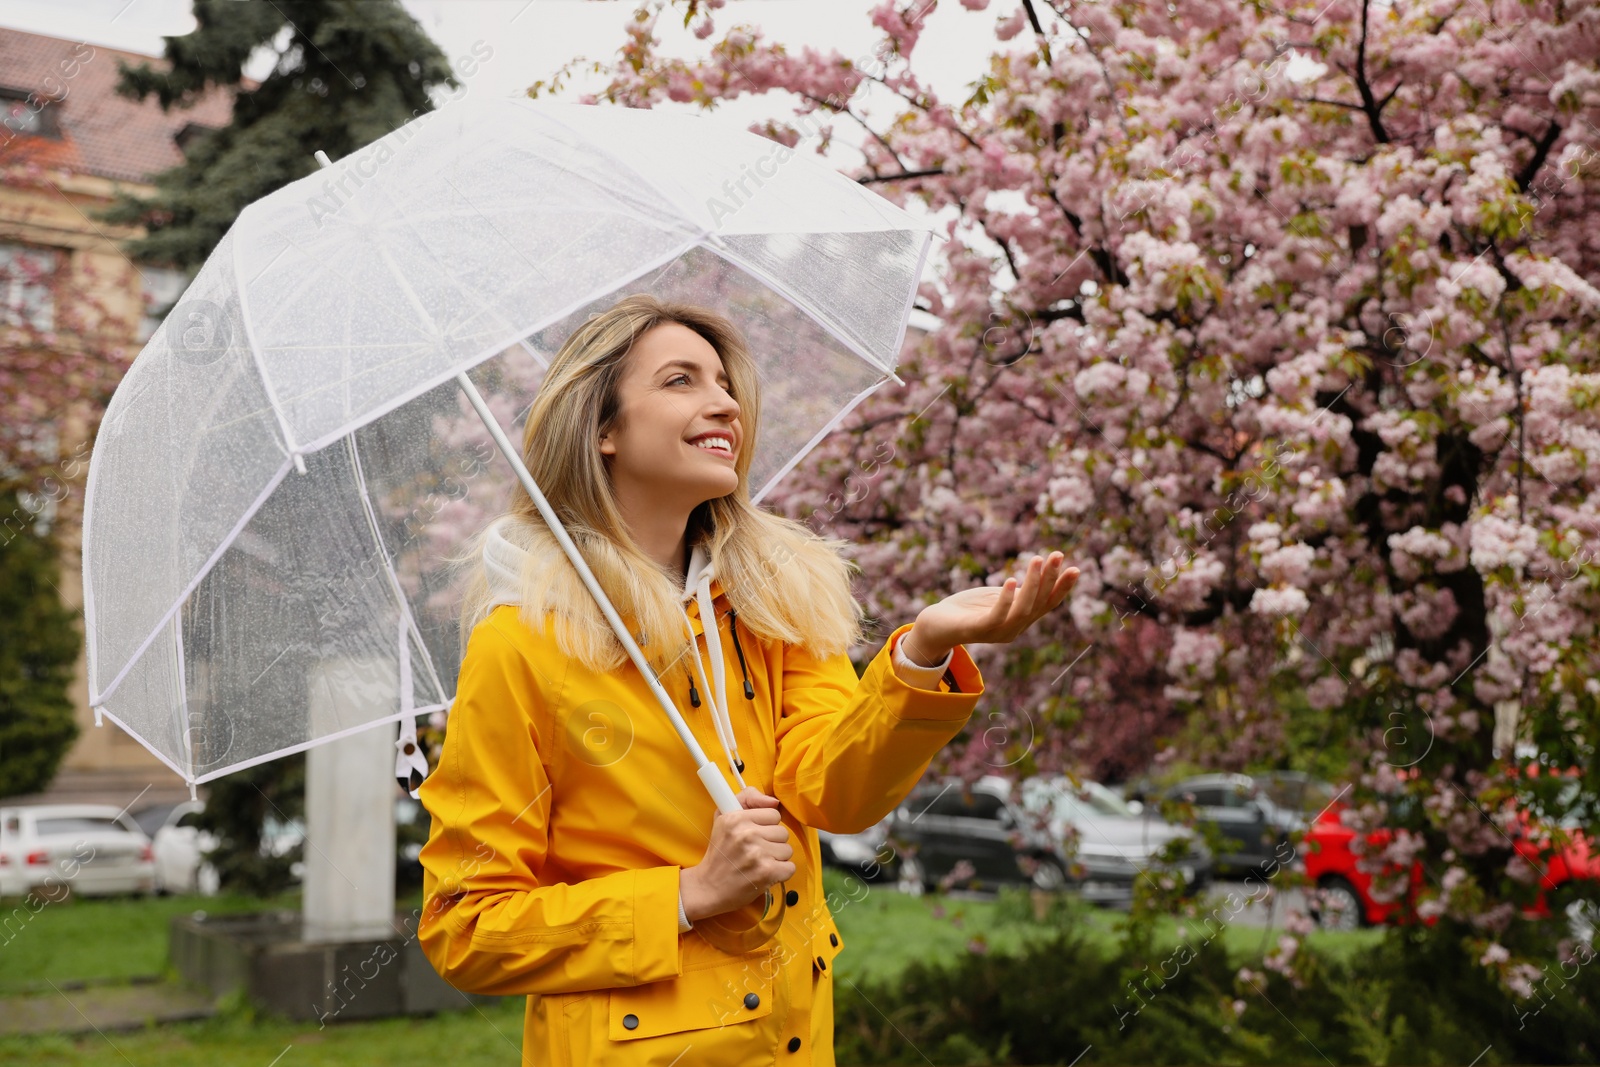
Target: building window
(26,295)
(30,113)
(162,287)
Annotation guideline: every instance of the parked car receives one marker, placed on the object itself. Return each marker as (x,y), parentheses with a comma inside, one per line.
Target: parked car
(1299,792)
(94,849)
(1049,833)
(180,848)
(1346,899)
(1254,816)
(863,854)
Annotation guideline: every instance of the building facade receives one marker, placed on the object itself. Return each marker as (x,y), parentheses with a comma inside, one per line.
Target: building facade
(69,145)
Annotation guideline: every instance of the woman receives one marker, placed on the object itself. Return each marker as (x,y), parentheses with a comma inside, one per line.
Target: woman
(574,856)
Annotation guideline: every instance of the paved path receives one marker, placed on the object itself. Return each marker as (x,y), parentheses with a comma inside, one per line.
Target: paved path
(78,1008)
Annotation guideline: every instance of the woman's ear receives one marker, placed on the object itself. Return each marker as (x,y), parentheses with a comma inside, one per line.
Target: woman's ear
(608,447)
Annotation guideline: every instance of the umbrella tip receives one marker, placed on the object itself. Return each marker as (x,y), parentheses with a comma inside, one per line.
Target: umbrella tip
(322,158)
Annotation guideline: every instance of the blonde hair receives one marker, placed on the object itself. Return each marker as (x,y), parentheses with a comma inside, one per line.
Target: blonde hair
(786,583)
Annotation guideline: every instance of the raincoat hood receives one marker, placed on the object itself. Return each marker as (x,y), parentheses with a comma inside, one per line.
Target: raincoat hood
(504,559)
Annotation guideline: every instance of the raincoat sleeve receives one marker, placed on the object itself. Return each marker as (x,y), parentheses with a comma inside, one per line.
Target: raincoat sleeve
(849,749)
(490,923)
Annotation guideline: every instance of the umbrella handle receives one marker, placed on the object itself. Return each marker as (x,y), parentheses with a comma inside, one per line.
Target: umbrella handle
(721,792)
(723,932)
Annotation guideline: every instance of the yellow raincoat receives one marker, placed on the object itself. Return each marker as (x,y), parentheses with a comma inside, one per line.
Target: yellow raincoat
(564,807)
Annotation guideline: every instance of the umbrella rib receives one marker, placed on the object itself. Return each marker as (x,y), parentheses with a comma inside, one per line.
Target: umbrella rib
(677,209)
(267,757)
(816,438)
(255,356)
(187,734)
(319,269)
(233,535)
(157,753)
(800,303)
(388,565)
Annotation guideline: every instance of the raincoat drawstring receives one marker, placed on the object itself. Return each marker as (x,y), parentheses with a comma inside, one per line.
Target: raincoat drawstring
(715,691)
(733,625)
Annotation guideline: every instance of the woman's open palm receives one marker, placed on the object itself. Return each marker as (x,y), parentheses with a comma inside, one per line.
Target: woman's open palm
(995,614)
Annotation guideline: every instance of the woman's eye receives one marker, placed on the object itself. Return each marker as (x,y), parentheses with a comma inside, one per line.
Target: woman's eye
(678,378)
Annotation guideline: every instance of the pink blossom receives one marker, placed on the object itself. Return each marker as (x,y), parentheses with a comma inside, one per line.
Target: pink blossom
(1193,653)
(1010,26)
(1289,565)
(1279,601)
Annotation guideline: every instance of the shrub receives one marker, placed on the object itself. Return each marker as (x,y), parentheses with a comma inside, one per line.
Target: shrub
(1416,997)
(39,644)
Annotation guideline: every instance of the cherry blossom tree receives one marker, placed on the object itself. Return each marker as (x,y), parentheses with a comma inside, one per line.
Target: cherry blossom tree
(1277,319)
(64,343)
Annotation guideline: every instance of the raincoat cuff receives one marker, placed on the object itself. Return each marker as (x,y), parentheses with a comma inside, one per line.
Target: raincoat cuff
(915,673)
(906,701)
(657,950)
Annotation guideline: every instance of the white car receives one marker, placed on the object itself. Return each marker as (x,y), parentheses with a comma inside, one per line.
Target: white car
(92,848)
(180,847)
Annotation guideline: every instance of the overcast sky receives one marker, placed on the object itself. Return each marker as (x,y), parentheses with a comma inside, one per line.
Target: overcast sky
(531,39)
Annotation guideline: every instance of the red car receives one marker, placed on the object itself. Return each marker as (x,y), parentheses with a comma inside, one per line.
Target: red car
(1347,901)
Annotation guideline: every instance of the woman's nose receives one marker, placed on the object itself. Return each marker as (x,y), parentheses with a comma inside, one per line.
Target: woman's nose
(724,403)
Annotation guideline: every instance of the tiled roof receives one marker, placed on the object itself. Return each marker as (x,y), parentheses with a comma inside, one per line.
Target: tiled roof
(101,133)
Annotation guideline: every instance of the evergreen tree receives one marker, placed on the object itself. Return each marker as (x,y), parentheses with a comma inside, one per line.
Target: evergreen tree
(38,647)
(348,72)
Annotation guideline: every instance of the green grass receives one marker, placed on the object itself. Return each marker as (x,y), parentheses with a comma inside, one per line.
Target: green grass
(110,939)
(99,938)
(884,930)
(96,939)
(484,1038)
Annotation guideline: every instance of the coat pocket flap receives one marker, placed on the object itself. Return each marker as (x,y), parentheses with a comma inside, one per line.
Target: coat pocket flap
(731,992)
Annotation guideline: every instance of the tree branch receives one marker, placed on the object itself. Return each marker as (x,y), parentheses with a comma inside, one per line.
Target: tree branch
(907,175)
(1541,152)
(1038,30)
(1370,105)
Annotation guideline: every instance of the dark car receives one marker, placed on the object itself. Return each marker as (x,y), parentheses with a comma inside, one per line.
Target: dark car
(867,855)
(1048,833)
(1253,816)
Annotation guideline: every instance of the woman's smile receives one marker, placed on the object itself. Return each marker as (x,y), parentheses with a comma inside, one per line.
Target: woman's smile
(717,442)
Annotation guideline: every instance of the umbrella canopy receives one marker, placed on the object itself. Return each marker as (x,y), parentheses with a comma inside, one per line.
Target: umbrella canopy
(292,453)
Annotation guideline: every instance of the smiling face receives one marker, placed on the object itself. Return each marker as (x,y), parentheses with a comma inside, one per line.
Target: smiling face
(677,432)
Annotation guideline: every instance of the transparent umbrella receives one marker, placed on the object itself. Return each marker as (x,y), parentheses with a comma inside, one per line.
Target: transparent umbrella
(322,417)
